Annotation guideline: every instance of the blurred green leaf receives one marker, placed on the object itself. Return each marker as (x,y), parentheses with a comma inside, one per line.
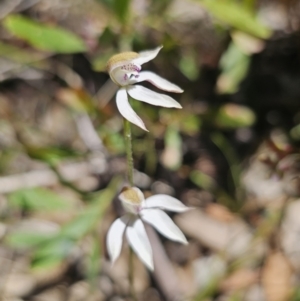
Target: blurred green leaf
(229,152)
(209,290)
(189,67)
(190,124)
(51,155)
(19,55)
(82,224)
(234,65)
(85,222)
(56,250)
(38,199)
(52,252)
(237,16)
(296,295)
(44,37)
(172,154)
(26,239)
(203,180)
(119,7)
(94,261)
(231,57)
(113,139)
(234,116)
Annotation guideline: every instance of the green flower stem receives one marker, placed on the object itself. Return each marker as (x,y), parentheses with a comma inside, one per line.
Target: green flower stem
(128,147)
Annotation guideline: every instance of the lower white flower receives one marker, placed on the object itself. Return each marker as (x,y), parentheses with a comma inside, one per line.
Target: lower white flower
(139,209)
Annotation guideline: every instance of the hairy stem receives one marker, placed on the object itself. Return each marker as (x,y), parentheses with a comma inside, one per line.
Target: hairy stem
(128,147)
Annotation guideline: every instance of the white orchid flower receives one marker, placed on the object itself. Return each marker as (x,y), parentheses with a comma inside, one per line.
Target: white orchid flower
(139,209)
(125,71)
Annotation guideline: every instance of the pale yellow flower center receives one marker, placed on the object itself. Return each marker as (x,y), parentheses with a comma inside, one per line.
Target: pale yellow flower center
(120,59)
(131,196)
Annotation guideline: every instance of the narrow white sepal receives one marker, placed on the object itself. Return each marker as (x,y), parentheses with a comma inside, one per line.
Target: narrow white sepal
(157,81)
(166,202)
(114,237)
(126,110)
(138,240)
(146,56)
(163,224)
(143,94)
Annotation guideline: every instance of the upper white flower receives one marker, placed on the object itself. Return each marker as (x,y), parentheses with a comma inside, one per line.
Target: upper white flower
(137,210)
(125,71)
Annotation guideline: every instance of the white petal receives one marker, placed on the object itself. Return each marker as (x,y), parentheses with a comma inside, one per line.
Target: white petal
(138,240)
(146,56)
(151,97)
(157,81)
(163,224)
(166,202)
(126,110)
(114,237)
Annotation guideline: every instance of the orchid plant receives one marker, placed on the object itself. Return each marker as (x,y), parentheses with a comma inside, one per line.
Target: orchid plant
(125,71)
